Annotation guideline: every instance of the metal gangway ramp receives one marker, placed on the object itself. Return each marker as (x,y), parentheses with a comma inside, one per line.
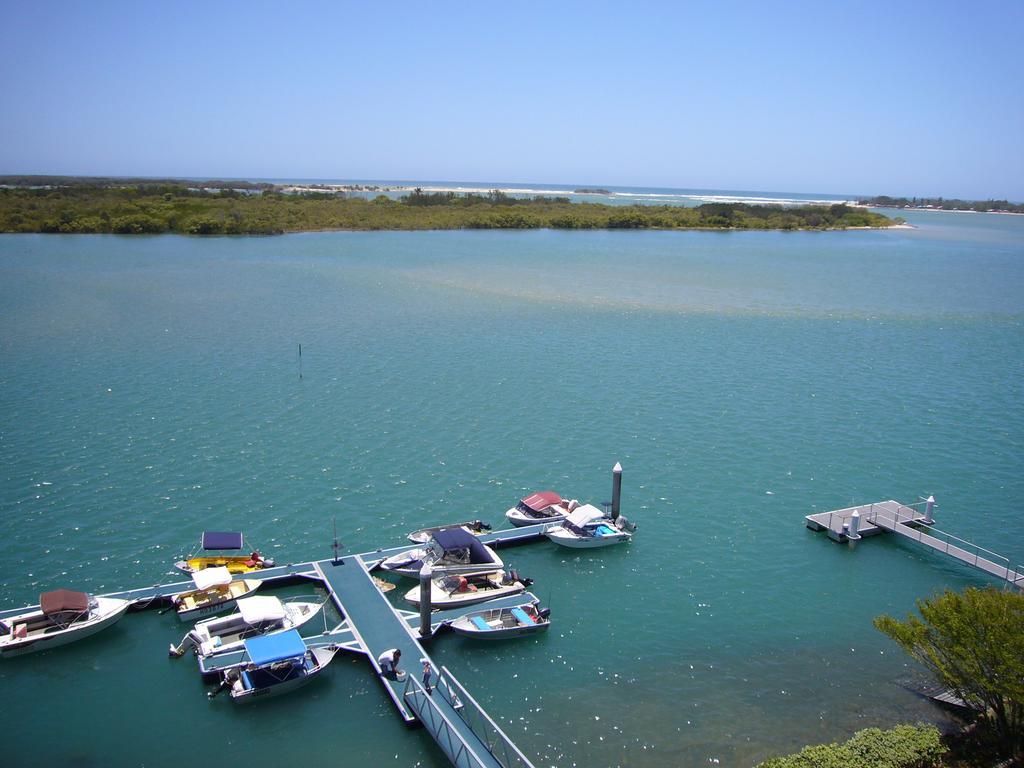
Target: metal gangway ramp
(448,712)
(905,521)
(909,522)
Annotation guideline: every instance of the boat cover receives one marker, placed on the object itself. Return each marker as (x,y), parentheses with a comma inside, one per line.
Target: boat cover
(261,608)
(61,600)
(211,577)
(542,500)
(222,540)
(458,538)
(266,649)
(588,513)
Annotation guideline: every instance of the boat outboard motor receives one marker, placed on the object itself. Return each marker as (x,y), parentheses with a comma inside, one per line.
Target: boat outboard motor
(543,613)
(268,562)
(484,526)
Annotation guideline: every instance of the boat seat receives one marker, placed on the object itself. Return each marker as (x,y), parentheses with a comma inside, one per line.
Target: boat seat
(480,624)
(523,616)
(245,680)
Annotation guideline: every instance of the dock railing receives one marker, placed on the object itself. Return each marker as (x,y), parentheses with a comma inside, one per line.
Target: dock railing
(947,543)
(446,733)
(501,747)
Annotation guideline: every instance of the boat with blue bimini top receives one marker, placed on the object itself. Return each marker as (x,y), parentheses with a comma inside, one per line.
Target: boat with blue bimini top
(213,550)
(503,623)
(424,535)
(275,664)
(63,617)
(588,527)
(450,551)
(215,592)
(540,507)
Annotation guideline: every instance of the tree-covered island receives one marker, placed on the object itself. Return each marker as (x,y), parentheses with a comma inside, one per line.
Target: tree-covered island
(942,204)
(125,206)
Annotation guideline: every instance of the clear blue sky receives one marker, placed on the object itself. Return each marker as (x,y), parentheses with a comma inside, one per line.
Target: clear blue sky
(899,98)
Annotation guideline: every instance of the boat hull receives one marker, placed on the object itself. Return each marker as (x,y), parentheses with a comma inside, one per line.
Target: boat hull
(321,656)
(521,520)
(111,610)
(500,623)
(567,539)
(440,598)
(234,564)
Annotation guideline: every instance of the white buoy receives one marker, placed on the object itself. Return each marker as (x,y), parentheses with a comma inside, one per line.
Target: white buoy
(426,572)
(929,503)
(616,489)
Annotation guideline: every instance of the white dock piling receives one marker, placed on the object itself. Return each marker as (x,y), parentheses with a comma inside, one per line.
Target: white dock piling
(616,489)
(426,573)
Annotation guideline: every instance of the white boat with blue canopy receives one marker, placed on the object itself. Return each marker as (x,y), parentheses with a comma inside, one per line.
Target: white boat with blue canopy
(588,527)
(275,664)
(450,551)
(503,623)
(217,550)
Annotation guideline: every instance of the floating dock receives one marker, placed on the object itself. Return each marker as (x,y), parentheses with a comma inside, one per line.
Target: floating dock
(916,524)
(467,735)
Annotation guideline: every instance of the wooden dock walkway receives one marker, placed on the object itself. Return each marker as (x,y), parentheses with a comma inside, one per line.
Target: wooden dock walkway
(910,523)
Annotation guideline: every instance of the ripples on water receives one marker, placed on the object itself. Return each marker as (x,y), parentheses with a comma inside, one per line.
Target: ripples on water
(149,388)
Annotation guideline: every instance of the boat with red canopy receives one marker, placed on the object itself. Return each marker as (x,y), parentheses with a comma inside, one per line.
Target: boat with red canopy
(540,507)
(63,616)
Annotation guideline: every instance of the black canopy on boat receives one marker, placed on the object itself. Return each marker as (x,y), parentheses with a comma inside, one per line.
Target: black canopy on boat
(456,538)
(222,540)
(63,601)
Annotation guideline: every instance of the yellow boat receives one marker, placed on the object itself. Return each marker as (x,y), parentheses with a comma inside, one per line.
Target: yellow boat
(219,542)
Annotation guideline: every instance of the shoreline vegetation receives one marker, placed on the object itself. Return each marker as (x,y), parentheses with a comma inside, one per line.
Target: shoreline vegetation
(74,205)
(941,204)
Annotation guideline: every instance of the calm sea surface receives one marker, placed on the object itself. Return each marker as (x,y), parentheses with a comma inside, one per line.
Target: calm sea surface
(149,389)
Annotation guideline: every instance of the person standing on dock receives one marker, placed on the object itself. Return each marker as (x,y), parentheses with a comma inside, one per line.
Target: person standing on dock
(388,663)
(427,672)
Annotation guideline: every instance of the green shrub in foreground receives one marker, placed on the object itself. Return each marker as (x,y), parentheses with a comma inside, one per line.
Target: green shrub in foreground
(905,746)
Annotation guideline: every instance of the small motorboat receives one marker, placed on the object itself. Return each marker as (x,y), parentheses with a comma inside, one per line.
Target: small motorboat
(470,589)
(540,507)
(424,535)
(502,623)
(213,550)
(256,615)
(588,527)
(274,664)
(215,592)
(451,550)
(63,616)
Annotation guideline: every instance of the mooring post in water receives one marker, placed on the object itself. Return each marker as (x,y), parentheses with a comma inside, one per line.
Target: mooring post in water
(300,361)
(616,489)
(929,504)
(335,546)
(425,575)
(853,534)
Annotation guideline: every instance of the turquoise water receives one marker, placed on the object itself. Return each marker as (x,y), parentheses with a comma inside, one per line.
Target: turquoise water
(149,389)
